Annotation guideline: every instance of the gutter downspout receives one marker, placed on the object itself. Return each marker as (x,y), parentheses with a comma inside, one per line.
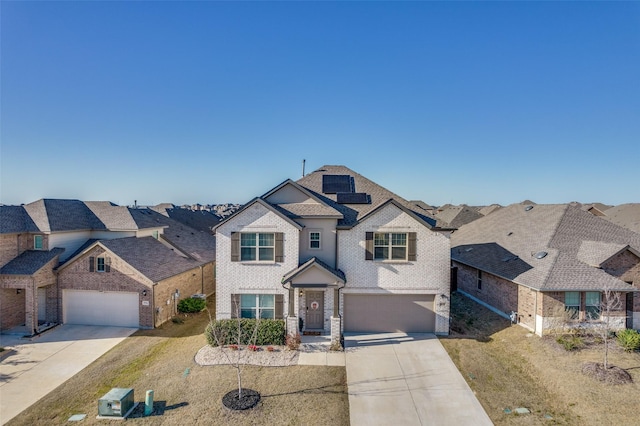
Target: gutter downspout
(535,315)
(202,279)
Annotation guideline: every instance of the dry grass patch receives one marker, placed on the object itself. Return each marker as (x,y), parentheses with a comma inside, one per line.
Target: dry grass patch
(508,367)
(187,393)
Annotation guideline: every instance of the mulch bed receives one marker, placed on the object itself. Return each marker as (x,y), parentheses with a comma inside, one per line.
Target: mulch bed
(250,399)
(612,375)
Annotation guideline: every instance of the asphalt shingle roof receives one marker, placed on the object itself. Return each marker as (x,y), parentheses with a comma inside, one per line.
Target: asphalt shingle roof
(15,220)
(150,257)
(201,220)
(30,262)
(113,217)
(52,215)
(63,215)
(457,216)
(308,264)
(352,213)
(572,239)
(625,215)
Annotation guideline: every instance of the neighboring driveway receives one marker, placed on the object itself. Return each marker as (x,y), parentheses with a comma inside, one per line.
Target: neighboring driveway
(36,366)
(407,379)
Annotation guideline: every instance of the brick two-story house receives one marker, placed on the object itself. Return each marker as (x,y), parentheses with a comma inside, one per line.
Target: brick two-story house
(68,261)
(337,251)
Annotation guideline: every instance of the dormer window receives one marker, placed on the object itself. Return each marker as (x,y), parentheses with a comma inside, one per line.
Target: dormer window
(37,242)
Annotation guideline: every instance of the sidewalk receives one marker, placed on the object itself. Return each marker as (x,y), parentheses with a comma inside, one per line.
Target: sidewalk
(314,350)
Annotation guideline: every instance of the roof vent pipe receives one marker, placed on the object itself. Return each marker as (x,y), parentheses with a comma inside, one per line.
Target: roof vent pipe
(303,161)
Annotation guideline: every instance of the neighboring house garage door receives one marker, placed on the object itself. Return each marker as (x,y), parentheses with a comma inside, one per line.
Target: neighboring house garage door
(100,308)
(409,313)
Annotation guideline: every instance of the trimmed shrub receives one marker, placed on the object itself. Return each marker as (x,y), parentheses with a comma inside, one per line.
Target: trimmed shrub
(571,342)
(191,305)
(270,332)
(629,339)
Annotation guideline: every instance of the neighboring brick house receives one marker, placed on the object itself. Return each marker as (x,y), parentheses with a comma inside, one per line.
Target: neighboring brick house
(43,244)
(549,262)
(332,246)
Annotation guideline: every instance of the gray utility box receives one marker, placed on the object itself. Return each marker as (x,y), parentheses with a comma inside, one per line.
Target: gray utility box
(116,403)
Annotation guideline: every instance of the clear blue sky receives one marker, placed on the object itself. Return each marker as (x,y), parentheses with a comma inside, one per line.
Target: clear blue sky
(212,102)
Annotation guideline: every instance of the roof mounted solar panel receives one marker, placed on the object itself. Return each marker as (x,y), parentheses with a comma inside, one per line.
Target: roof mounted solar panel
(332,184)
(352,198)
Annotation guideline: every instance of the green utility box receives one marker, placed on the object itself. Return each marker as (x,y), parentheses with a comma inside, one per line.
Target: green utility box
(116,403)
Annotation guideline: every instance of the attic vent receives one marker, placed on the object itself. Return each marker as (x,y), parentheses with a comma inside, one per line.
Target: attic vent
(509,234)
(540,254)
(526,209)
(509,258)
(332,184)
(468,249)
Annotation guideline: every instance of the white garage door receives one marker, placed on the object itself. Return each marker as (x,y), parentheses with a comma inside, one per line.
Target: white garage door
(100,308)
(409,313)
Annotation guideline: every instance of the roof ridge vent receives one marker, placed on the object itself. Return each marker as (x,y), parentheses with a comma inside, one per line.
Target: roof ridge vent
(526,209)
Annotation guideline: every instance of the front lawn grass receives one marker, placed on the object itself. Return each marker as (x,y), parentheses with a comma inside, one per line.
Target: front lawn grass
(508,367)
(189,394)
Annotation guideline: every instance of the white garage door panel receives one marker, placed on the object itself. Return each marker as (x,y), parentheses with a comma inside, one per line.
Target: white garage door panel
(409,313)
(101,308)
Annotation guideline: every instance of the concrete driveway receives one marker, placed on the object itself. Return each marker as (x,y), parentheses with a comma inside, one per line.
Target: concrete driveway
(36,366)
(407,379)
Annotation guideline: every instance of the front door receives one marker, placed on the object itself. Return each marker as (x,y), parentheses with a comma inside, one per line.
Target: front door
(315,310)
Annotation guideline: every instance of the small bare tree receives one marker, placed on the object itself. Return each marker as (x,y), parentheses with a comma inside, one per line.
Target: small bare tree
(234,356)
(611,302)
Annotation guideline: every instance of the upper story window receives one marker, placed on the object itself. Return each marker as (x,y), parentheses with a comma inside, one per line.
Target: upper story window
(155,234)
(257,246)
(100,264)
(390,246)
(314,240)
(38,242)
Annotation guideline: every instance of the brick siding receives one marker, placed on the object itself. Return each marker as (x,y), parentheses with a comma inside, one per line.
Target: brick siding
(122,277)
(12,308)
(428,274)
(247,277)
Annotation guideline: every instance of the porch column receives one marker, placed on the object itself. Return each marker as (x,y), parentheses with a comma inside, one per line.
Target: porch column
(292,295)
(336,321)
(292,318)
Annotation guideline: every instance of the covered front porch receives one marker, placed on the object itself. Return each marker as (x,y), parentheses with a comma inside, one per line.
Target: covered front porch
(314,300)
